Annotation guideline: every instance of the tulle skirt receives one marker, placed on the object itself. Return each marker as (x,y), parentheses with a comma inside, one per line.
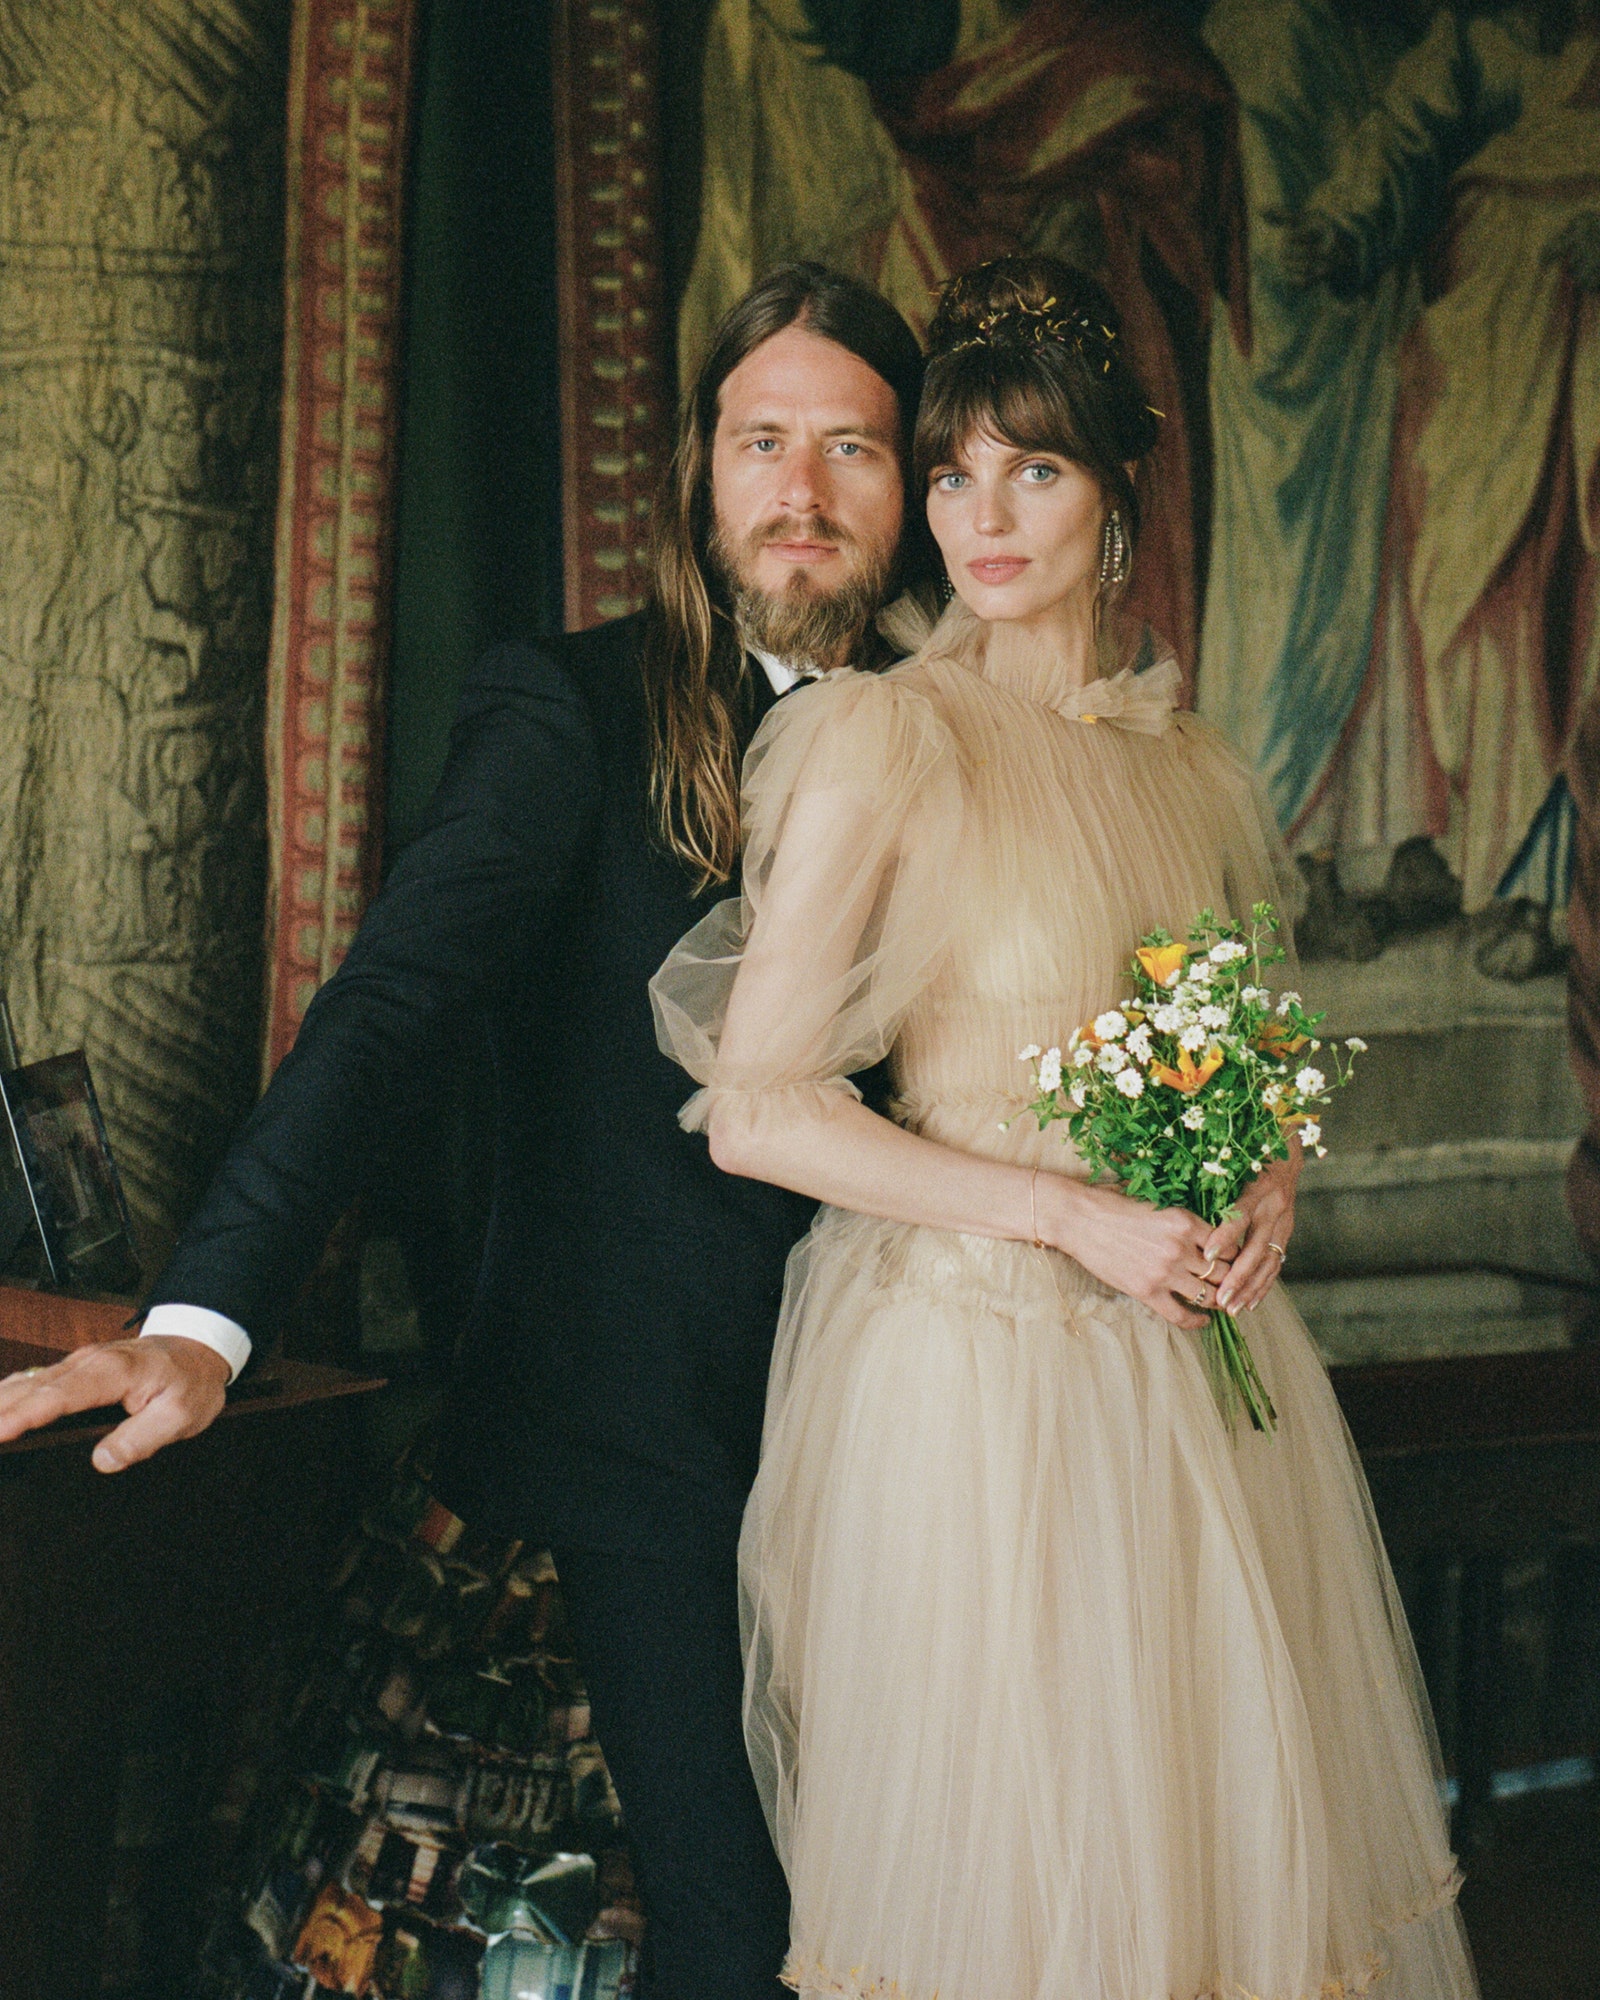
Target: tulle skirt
(1055,1690)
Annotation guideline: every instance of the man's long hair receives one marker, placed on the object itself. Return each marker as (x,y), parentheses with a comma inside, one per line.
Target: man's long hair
(694,667)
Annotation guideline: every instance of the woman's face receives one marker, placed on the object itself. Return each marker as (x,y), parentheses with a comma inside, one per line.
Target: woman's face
(1019,530)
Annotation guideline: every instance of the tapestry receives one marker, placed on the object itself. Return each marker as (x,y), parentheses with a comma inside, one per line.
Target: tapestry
(1356,255)
(349,102)
(613,410)
(141,203)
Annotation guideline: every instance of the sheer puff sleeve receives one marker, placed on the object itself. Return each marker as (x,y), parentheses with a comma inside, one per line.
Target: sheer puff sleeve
(852,809)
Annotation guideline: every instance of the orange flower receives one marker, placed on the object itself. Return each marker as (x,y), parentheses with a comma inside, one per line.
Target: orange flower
(1161,961)
(1277,1040)
(1189,1076)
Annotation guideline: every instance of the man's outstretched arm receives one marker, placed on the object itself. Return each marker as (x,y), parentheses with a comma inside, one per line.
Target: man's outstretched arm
(466,904)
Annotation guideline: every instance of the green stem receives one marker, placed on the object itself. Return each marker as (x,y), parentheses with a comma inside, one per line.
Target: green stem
(1235,1379)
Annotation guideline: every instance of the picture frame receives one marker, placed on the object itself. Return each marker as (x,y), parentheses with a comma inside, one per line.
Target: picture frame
(64,1188)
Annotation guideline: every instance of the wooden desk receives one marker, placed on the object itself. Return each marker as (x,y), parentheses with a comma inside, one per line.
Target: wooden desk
(135,1602)
(1476,1462)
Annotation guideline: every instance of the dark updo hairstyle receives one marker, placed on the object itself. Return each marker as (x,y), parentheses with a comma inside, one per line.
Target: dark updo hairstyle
(1028,350)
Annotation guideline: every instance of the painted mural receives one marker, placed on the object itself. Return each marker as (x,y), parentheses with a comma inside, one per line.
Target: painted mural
(1356,248)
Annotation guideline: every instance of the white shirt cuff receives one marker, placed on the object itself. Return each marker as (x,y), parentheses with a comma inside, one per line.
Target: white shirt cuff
(212,1329)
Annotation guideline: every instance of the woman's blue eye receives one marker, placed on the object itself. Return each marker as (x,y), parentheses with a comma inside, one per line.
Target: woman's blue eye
(949,482)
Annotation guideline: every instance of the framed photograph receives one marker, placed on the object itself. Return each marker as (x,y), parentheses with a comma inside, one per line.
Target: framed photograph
(68,1178)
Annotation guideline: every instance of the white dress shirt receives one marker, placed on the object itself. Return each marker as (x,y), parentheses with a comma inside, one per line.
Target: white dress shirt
(223,1335)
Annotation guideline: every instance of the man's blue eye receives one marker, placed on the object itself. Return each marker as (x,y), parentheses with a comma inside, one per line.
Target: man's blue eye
(1043,472)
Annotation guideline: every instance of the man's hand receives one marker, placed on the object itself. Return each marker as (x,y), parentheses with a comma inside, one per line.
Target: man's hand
(1315,250)
(170,1387)
(1261,1230)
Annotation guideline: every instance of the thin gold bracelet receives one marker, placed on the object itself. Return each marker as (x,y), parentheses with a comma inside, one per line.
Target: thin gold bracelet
(1033,1210)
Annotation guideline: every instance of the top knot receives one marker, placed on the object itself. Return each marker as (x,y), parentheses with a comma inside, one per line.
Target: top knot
(1011,302)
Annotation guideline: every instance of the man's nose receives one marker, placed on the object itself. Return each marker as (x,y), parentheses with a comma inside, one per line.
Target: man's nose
(803,488)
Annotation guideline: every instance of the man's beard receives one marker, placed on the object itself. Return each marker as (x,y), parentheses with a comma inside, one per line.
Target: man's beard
(803,623)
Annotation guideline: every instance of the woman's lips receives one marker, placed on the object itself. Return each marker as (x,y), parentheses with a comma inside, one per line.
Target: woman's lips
(997,569)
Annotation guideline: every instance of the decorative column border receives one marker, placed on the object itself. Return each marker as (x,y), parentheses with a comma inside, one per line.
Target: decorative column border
(349,109)
(613,407)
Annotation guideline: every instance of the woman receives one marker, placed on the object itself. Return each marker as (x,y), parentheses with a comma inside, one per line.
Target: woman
(1055,1690)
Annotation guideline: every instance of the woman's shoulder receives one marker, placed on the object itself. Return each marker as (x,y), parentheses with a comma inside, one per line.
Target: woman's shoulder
(855,714)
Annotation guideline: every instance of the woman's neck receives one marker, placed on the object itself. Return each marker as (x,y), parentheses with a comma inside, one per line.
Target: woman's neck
(1063,633)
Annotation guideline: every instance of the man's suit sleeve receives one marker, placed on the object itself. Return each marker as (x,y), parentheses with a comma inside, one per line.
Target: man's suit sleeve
(467,903)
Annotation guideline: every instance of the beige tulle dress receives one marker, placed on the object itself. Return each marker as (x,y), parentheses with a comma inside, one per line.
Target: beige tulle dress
(1056,1691)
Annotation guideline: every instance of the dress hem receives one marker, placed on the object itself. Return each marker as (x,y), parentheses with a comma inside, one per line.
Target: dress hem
(808,1976)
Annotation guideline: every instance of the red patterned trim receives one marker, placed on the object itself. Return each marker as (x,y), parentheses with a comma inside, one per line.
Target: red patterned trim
(349,103)
(608,272)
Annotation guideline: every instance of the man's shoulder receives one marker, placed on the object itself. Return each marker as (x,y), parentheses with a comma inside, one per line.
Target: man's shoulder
(600,667)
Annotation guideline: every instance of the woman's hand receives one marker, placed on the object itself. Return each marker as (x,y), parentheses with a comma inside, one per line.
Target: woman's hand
(1255,1242)
(1156,1255)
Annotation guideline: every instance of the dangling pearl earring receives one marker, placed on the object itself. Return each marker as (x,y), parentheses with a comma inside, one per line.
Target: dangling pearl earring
(1114,564)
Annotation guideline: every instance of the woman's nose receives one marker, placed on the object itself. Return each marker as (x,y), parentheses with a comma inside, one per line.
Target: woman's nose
(991,516)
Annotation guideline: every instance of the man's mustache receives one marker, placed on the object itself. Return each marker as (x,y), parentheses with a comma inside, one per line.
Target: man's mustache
(807,528)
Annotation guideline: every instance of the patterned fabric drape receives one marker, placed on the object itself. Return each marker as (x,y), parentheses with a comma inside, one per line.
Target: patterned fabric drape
(349,103)
(613,408)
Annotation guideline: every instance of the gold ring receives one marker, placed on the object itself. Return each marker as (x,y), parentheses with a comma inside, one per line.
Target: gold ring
(1199,1302)
(1278,1247)
(1211,1265)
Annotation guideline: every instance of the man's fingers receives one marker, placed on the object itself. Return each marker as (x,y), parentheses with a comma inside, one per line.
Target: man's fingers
(86,1380)
(162,1421)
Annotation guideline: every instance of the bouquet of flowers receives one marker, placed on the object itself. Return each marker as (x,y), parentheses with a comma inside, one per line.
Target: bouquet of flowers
(1188,1089)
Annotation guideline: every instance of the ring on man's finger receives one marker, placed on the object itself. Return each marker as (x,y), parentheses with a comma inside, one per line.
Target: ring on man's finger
(1198,1302)
(1279,1248)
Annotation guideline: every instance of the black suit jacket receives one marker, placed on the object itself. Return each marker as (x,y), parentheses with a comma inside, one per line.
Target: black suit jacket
(611,1388)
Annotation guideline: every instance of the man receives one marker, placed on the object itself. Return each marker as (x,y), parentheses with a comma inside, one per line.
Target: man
(609,1400)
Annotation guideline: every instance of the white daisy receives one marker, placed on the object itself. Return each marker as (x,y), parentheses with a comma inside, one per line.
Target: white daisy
(1286,1000)
(1310,1132)
(1082,1057)
(1030,1054)
(1167,1020)
(1213,1017)
(1194,1118)
(1130,1082)
(1138,1043)
(1112,1058)
(1110,1027)
(1050,1071)
(1355,1042)
(1192,1038)
(1310,1082)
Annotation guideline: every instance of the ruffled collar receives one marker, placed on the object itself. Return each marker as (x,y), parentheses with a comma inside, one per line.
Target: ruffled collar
(1142,695)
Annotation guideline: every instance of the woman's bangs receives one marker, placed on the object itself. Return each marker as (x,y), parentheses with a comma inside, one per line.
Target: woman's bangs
(1011,404)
